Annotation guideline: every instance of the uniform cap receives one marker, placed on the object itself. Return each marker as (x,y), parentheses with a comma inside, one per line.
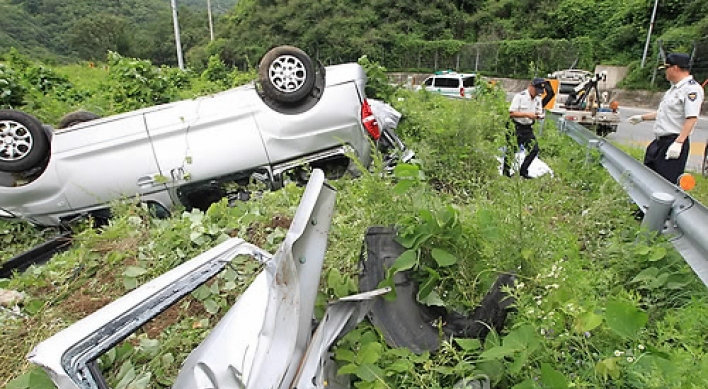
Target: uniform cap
(539,84)
(679,59)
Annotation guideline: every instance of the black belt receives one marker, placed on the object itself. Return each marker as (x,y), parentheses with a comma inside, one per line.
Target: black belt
(667,137)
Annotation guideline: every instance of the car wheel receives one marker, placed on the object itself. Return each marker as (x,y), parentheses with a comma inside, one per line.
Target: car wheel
(406,323)
(705,162)
(286,74)
(23,142)
(76,117)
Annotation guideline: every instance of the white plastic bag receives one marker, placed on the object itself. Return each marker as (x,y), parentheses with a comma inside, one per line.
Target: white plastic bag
(537,168)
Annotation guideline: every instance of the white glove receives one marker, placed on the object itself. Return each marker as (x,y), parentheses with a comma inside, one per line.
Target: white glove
(635,119)
(674,150)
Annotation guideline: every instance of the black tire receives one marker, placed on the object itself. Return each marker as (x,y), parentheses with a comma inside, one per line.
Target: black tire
(286,74)
(23,142)
(704,168)
(406,323)
(74,118)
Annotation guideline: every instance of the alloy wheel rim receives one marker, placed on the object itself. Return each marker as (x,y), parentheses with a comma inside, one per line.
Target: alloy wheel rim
(15,141)
(287,73)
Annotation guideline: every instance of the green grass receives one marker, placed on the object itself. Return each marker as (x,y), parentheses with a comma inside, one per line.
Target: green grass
(598,305)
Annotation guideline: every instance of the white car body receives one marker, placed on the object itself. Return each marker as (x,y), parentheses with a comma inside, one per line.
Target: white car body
(176,153)
(450,84)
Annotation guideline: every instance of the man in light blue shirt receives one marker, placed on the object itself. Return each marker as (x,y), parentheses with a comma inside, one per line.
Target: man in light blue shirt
(675,119)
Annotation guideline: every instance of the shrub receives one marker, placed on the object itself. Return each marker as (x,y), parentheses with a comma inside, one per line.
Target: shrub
(135,83)
(11,91)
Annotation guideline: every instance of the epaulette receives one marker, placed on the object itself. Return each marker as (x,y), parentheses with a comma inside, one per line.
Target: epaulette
(692,82)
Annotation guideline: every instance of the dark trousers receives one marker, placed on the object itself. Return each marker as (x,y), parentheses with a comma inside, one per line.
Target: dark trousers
(525,138)
(655,158)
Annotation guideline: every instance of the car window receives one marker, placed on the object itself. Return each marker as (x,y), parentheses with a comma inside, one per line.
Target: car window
(445,82)
(468,82)
(428,82)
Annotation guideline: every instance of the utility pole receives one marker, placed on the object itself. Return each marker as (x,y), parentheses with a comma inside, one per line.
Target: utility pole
(651,26)
(180,61)
(211,23)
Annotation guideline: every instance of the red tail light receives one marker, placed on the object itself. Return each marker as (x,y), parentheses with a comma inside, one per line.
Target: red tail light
(462,92)
(369,120)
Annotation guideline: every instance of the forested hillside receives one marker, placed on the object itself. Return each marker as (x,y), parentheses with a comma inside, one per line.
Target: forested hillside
(337,30)
(87,29)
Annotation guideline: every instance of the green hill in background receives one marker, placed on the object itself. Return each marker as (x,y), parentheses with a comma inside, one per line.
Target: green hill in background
(339,30)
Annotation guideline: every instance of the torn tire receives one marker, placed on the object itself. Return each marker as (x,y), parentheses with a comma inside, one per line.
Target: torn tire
(76,117)
(406,323)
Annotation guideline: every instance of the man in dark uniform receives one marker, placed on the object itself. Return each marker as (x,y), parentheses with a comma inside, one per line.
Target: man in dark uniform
(525,108)
(674,120)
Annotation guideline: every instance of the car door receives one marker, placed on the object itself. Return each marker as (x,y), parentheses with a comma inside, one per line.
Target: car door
(206,139)
(103,160)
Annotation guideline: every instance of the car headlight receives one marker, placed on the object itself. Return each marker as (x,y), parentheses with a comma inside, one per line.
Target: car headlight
(6,214)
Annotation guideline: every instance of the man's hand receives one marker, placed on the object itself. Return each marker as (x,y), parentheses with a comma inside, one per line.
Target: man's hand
(674,150)
(635,119)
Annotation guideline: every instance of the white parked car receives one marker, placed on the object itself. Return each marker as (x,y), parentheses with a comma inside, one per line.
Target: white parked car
(451,84)
(298,115)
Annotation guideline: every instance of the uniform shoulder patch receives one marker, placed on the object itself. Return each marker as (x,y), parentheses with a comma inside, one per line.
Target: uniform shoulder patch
(692,96)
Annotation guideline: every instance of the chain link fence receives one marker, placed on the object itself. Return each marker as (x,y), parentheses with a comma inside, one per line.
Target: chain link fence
(700,60)
(698,50)
(515,59)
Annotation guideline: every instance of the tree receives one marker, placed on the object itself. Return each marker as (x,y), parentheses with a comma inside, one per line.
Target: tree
(92,37)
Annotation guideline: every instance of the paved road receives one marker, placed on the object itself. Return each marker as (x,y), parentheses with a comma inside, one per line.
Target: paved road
(641,134)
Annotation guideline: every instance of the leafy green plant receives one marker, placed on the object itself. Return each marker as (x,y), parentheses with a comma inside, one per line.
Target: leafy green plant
(377,85)
(44,79)
(216,70)
(11,90)
(135,83)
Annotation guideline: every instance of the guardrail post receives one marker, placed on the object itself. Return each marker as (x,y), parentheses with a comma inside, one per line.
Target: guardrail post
(658,211)
(593,144)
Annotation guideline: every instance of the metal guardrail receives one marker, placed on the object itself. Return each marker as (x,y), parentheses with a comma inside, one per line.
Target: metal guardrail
(667,208)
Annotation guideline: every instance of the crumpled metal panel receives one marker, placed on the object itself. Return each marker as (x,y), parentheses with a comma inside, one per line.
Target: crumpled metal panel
(68,356)
(260,341)
(263,342)
(341,317)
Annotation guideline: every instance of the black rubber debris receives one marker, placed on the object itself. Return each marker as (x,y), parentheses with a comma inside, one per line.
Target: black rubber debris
(37,255)
(406,323)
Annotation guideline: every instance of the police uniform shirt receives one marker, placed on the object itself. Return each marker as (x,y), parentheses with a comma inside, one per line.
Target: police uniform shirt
(681,101)
(523,102)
